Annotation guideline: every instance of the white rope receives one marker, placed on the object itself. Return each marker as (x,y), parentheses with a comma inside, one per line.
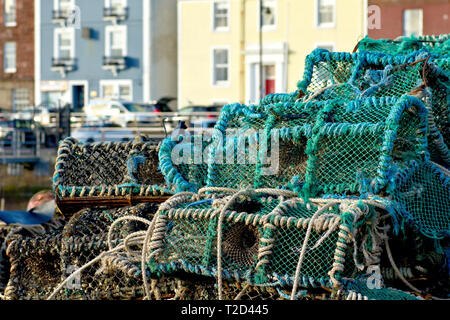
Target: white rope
(70,277)
(219,239)
(303,250)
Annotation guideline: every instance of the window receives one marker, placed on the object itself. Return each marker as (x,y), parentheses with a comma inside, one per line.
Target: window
(116,89)
(124,90)
(64,7)
(327,46)
(412,22)
(221,10)
(115,9)
(116,41)
(20,99)
(117,5)
(108,91)
(10,13)
(64,43)
(326,13)
(10,57)
(220,66)
(268,15)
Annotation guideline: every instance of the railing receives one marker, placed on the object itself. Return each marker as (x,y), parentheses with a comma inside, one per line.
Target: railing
(115,13)
(63,62)
(20,145)
(61,14)
(112,60)
(153,124)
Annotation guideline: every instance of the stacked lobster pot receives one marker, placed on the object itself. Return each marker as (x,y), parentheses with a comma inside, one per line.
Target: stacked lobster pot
(112,173)
(308,189)
(338,190)
(94,184)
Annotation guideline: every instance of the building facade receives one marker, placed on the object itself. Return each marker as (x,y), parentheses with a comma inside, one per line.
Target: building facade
(16,54)
(410,17)
(219,44)
(112,49)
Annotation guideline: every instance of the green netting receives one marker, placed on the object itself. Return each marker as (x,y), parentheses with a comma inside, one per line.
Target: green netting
(358,290)
(403,45)
(378,74)
(423,193)
(181,161)
(338,146)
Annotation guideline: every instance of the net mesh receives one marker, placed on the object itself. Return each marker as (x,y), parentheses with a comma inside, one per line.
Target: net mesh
(111,169)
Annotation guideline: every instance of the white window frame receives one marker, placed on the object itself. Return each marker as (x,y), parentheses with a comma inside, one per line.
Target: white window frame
(5,57)
(15,100)
(56,45)
(327,44)
(56,4)
(326,25)
(108,31)
(108,3)
(220,84)
(278,55)
(14,23)
(116,84)
(268,27)
(213,16)
(404,25)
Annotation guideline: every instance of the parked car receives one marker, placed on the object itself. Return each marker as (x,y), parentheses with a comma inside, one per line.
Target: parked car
(126,113)
(188,115)
(102,132)
(40,114)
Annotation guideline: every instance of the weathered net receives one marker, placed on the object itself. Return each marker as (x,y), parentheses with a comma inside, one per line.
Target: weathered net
(113,169)
(403,45)
(38,263)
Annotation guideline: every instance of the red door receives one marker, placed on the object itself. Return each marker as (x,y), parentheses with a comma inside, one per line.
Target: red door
(269,79)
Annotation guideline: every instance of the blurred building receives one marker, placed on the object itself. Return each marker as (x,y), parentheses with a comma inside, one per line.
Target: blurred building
(411,17)
(219,44)
(121,49)
(16,54)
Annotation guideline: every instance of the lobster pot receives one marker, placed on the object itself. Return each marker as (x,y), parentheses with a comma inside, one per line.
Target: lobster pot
(38,264)
(360,157)
(331,75)
(423,193)
(366,74)
(328,147)
(86,237)
(35,266)
(260,240)
(107,173)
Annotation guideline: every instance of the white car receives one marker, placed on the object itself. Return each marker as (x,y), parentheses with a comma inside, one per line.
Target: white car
(123,113)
